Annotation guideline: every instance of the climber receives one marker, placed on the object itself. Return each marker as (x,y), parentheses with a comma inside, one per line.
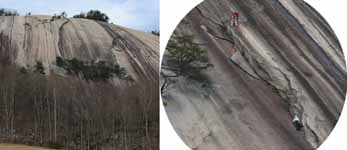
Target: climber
(237,15)
(235,19)
(297,123)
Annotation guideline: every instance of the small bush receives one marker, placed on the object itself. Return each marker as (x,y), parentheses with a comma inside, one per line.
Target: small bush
(157,33)
(39,68)
(60,62)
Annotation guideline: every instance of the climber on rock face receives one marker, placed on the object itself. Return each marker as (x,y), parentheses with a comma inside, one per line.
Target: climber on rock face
(235,18)
(297,123)
(237,15)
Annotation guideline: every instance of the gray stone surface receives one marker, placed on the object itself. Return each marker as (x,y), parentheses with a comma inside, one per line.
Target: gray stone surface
(41,38)
(291,64)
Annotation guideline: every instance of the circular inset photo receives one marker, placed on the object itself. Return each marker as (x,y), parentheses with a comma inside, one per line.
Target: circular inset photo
(79,75)
(253,75)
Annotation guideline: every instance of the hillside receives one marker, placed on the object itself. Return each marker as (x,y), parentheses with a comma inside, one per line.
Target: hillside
(282,61)
(77,82)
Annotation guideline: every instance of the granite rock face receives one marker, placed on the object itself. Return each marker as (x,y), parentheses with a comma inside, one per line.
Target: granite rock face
(42,38)
(283,60)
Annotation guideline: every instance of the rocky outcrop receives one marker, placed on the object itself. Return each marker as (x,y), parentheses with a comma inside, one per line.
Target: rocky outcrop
(282,60)
(43,38)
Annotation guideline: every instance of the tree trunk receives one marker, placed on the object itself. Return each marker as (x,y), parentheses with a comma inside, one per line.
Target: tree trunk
(55,116)
(49,117)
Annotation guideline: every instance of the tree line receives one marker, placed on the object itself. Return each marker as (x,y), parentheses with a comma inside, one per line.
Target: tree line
(94,15)
(8,12)
(91,14)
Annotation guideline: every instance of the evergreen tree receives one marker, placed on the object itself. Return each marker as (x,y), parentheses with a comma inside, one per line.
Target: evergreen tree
(39,68)
(185,55)
(60,62)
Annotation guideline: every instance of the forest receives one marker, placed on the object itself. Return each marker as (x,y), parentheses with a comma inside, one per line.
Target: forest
(57,111)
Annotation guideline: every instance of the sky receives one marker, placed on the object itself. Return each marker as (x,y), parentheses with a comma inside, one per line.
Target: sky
(136,14)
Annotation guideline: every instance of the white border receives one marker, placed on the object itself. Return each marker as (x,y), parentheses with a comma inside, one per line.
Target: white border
(173,11)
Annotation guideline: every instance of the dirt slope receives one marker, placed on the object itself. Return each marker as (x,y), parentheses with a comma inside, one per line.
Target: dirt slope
(283,60)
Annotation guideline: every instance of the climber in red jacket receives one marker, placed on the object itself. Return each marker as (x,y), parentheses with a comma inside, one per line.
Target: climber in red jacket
(235,18)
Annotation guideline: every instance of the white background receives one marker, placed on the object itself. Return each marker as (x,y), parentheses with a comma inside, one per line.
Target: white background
(172,11)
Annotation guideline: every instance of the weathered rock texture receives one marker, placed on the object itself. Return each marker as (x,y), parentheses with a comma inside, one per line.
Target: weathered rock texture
(283,60)
(41,38)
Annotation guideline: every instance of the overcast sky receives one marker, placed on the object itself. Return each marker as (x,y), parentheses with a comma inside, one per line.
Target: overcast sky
(137,14)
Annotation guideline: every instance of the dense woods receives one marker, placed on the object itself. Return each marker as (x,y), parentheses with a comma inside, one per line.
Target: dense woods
(67,111)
